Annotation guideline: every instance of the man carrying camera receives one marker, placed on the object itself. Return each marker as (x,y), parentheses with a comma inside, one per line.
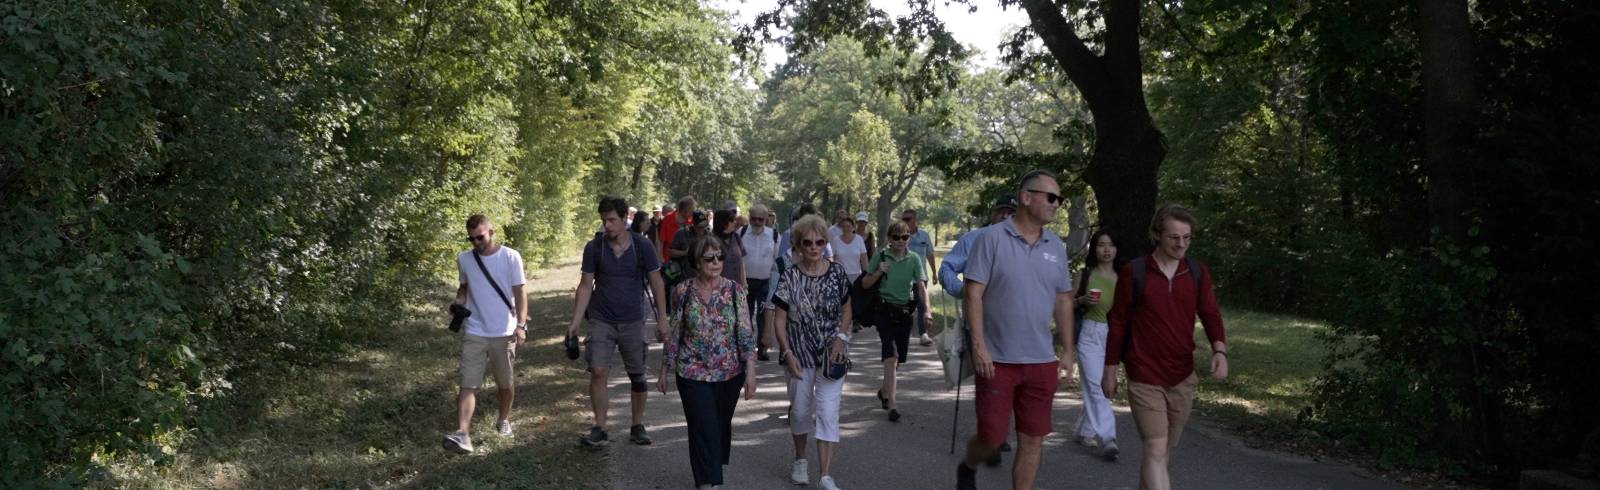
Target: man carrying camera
(615,268)
(496,321)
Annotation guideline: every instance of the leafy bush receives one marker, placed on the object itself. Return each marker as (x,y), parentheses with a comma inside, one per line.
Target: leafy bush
(197,194)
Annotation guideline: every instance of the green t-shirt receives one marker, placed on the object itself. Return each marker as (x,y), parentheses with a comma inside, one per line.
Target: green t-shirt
(1108,291)
(895,286)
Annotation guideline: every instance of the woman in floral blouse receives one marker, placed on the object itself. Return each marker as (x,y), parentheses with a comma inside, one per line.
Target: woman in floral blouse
(712,351)
(813,312)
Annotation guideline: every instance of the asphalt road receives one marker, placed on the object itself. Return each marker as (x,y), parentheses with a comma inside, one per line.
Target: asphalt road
(915,452)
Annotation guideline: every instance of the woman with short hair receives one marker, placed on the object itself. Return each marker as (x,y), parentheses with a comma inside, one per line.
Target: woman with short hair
(712,353)
(897,271)
(813,318)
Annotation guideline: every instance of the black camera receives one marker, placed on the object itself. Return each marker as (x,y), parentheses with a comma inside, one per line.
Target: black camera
(571,343)
(458,314)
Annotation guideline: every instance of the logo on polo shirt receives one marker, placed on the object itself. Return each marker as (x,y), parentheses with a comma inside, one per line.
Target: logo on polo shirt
(1049,257)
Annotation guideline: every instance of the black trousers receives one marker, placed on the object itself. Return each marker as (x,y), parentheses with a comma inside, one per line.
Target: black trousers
(708,410)
(756,296)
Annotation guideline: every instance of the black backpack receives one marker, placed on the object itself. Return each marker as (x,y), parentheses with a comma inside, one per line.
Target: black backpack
(864,301)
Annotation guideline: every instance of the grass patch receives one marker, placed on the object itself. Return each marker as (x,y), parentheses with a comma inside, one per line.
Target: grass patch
(375,417)
(1273,361)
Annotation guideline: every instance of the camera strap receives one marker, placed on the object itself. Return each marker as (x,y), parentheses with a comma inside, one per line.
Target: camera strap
(490,277)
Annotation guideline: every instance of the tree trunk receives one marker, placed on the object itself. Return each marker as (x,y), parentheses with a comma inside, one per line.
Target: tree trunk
(1128,148)
(1449,109)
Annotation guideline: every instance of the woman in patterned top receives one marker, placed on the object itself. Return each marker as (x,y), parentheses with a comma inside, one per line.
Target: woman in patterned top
(712,351)
(813,318)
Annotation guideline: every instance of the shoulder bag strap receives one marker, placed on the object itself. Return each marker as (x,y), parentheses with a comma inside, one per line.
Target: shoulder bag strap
(490,277)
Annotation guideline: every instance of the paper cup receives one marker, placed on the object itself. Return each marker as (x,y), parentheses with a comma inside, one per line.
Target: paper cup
(1094,293)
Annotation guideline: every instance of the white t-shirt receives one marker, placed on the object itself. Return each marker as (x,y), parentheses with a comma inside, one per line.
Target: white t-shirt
(760,249)
(849,254)
(490,317)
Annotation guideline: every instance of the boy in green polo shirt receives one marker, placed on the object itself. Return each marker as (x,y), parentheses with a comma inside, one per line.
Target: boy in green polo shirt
(901,275)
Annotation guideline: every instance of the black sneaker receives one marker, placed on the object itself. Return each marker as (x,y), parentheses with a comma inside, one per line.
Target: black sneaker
(761,355)
(883,400)
(1109,451)
(966,478)
(1005,447)
(894,415)
(993,461)
(638,435)
(595,438)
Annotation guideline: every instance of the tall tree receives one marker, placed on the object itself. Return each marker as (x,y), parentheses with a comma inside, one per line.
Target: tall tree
(861,156)
(1128,148)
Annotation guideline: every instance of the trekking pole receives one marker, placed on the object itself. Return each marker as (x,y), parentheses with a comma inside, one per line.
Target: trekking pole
(961,359)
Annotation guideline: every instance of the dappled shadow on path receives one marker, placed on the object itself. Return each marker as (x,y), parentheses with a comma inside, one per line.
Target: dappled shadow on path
(376,416)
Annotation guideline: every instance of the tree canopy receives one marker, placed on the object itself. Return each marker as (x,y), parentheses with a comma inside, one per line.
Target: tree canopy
(195,195)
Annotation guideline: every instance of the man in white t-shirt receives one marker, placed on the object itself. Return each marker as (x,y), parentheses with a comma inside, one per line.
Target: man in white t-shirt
(760,243)
(491,279)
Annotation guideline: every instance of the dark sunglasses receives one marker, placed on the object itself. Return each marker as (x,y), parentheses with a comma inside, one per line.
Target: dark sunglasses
(714,258)
(477,238)
(907,219)
(813,243)
(757,220)
(1052,198)
(899,237)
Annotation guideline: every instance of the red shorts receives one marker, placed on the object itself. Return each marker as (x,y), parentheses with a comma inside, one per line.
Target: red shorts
(1026,390)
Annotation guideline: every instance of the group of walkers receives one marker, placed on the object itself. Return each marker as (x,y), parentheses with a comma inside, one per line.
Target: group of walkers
(725,288)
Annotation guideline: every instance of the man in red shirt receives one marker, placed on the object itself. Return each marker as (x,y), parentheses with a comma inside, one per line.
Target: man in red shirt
(1153,330)
(672,222)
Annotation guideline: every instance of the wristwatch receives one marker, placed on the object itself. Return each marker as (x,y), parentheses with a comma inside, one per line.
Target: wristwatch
(522,326)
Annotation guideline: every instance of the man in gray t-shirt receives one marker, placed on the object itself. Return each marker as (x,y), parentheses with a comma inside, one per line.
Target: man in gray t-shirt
(1017,283)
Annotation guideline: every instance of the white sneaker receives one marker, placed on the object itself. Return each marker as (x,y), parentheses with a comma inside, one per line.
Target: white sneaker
(798,474)
(503,427)
(827,483)
(926,340)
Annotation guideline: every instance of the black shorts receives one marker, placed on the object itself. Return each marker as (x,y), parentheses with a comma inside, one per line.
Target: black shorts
(894,329)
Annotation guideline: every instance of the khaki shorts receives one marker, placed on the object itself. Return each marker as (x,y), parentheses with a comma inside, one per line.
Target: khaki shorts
(478,353)
(1161,412)
(607,339)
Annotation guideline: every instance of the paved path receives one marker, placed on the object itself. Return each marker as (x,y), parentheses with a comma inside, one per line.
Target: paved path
(915,453)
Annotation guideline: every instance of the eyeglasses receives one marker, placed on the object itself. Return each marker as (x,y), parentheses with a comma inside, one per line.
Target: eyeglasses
(477,238)
(757,219)
(1054,199)
(908,219)
(900,237)
(714,258)
(813,243)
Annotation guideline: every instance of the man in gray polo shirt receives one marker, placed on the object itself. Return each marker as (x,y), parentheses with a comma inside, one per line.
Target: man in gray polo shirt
(616,267)
(1017,283)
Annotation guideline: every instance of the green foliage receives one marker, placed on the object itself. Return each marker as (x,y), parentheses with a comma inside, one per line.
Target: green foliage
(809,105)
(859,158)
(1433,358)
(1296,132)
(196,195)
